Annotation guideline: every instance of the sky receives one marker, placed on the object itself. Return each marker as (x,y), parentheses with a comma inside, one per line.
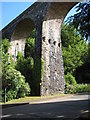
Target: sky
(11,10)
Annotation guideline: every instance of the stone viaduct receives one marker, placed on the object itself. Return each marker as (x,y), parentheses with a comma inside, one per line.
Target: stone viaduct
(47,18)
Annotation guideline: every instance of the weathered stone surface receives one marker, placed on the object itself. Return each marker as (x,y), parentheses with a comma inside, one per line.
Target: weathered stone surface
(47,18)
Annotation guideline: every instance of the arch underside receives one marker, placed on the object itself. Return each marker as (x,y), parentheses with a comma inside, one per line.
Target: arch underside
(19,36)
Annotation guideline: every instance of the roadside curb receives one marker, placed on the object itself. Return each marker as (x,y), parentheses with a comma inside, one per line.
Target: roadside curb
(12,105)
(7,105)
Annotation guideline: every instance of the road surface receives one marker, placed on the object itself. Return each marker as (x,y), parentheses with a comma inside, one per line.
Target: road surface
(61,107)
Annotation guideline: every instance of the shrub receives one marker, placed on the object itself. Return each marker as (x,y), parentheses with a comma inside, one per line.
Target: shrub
(14,82)
(9,95)
(5,45)
(24,90)
(79,88)
(33,70)
(70,79)
(25,66)
(69,89)
(29,47)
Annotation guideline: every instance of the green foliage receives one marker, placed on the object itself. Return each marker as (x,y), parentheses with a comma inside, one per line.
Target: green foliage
(29,47)
(15,84)
(24,90)
(79,88)
(75,57)
(69,35)
(70,83)
(25,66)
(11,62)
(30,68)
(19,55)
(5,45)
(30,65)
(69,89)
(81,20)
(74,49)
(12,80)
(70,79)
(32,34)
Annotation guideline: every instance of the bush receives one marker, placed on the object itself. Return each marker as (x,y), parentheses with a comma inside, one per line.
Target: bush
(12,80)
(24,90)
(15,84)
(9,95)
(29,47)
(30,65)
(79,88)
(70,83)
(5,45)
(70,79)
(25,66)
(69,89)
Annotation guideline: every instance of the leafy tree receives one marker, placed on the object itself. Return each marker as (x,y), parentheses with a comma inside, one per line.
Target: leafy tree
(30,45)
(25,66)
(74,48)
(15,84)
(81,20)
(70,79)
(12,80)
(31,66)
(5,45)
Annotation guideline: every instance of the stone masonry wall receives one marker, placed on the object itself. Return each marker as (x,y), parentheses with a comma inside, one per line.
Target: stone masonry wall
(53,80)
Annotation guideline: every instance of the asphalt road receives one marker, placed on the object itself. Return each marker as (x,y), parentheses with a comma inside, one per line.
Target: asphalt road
(62,107)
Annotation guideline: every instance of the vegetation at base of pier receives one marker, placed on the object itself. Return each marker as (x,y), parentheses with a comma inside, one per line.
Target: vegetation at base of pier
(76,50)
(31,65)
(78,88)
(76,59)
(21,78)
(13,83)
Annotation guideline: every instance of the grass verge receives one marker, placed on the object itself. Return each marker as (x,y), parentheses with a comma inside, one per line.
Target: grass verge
(34,99)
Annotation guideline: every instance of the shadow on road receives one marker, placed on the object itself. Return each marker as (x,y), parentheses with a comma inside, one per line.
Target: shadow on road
(12,105)
(55,110)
